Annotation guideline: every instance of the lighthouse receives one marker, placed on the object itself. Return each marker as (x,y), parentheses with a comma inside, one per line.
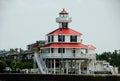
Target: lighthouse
(64,52)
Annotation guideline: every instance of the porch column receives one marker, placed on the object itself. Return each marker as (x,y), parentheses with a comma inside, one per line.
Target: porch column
(75,66)
(34,64)
(51,69)
(93,67)
(71,65)
(79,67)
(66,66)
(54,66)
(88,67)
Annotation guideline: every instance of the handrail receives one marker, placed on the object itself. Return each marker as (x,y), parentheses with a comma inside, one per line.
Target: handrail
(56,55)
(41,64)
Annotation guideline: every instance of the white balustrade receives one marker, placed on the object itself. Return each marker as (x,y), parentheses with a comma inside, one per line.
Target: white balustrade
(59,19)
(81,56)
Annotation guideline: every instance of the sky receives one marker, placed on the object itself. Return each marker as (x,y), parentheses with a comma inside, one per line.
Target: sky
(23,22)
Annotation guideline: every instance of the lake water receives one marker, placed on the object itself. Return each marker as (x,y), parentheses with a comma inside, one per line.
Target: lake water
(48,77)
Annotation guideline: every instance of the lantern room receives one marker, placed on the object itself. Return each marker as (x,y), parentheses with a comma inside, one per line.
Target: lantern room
(63,19)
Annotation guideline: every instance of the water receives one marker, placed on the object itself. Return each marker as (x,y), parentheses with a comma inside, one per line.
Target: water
(48,77)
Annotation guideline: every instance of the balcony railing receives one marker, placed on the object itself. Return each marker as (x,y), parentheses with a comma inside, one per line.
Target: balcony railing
(77,56)
(59,19)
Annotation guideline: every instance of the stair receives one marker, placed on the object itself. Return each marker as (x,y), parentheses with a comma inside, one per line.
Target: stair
(41,64)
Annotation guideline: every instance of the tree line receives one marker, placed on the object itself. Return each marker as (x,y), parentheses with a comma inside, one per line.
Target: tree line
(15,65)
(112,57)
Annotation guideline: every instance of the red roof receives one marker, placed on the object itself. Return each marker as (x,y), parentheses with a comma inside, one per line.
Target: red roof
(63,11)
(65,31)
(35,45)
(68,45)
(91,47)
(65,45)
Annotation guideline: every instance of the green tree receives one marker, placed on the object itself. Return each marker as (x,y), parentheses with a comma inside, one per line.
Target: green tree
(15,64)
(115,58)
(2,65)
(21,65)
(26,65)
(112,57)
(16,49)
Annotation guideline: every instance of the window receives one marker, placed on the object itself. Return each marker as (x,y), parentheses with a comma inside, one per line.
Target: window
(73,50)
(61,38)
(48,50)
(61,50)
(52,38)
(48,38)
(73,38)
(63,15)
(86,50)
(64,25)
(52,50)
(83,51)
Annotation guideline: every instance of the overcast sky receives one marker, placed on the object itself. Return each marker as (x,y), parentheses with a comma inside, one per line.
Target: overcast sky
(23,22)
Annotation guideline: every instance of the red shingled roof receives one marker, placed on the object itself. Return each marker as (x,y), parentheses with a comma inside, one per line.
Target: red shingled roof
(65,45)
(91,47)
(63,11)
(65,31)
(68,45)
